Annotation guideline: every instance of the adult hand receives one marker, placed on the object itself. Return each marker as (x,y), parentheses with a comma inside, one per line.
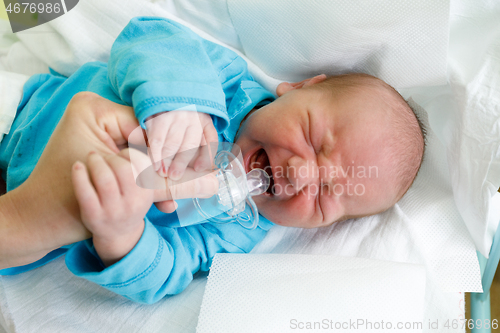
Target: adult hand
(42,214)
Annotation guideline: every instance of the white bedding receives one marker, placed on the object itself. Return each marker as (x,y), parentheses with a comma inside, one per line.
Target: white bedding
(425,227)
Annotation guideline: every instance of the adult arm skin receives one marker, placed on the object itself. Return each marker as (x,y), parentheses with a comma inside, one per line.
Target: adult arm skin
(42,214)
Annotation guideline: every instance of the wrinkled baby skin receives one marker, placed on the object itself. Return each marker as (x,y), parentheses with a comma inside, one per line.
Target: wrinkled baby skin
(327,154)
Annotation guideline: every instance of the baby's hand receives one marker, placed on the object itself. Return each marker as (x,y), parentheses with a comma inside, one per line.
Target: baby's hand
(173,132)
(112,206)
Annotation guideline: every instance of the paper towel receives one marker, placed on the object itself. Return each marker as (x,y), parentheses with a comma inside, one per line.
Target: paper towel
(286,293)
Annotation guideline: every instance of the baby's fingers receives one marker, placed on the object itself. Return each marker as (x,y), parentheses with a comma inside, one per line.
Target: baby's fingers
(205,159)
(104,181)
(187,151)
(156,138)
(209,131)
(171,147)
(157,130)
(209,145)
(122,168)
(85,193)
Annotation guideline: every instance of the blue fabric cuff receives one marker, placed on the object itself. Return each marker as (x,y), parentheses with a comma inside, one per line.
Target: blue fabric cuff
(154,97)
(130,275)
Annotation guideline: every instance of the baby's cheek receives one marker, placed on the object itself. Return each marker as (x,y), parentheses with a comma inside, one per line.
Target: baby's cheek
(295,212)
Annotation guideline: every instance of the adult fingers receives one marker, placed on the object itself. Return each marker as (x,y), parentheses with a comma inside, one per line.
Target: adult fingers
(137,139)
(200,186)
(166,206)
(112,122)
(143,172)
(193,185)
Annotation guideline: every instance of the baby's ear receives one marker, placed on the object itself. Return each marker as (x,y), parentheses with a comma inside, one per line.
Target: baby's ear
(285,87)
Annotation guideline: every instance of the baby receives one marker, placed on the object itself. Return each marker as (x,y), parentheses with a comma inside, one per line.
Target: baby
(336,148)
(339,148)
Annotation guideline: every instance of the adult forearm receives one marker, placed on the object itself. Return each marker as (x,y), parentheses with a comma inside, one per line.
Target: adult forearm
(34,222)
(16,243)
(9,228)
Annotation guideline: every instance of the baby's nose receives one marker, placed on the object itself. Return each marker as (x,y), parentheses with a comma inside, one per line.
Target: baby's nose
(301,172)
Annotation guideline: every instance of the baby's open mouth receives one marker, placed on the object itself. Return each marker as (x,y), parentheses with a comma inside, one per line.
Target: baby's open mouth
(260,160)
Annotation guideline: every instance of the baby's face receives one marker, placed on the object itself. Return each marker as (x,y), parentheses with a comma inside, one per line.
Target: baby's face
(326,155)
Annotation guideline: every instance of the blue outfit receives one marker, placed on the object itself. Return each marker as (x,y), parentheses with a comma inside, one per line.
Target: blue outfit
(155,65)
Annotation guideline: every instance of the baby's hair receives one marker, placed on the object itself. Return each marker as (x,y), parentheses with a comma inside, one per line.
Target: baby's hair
(408,144)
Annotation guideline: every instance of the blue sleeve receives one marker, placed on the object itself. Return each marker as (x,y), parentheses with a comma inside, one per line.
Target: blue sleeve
(164,260)
(159,65)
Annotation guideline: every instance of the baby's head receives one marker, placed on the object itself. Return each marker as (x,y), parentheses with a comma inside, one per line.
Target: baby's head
(340,147)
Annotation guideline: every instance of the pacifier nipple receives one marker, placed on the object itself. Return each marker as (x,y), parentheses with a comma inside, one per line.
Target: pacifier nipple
(233,201)
(258,182)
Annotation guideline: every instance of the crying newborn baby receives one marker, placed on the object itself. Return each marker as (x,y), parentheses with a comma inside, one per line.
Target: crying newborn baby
(338,148)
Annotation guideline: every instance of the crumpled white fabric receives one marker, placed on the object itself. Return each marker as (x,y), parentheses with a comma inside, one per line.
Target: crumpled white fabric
(474,139)
(11,89)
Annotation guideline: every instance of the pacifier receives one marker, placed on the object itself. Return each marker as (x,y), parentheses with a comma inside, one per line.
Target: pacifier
(236,189)
(233,201)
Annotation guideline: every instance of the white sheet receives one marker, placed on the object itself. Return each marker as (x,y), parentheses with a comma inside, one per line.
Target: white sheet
(466,115)
(11,88)
(41,301)
(388,236)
